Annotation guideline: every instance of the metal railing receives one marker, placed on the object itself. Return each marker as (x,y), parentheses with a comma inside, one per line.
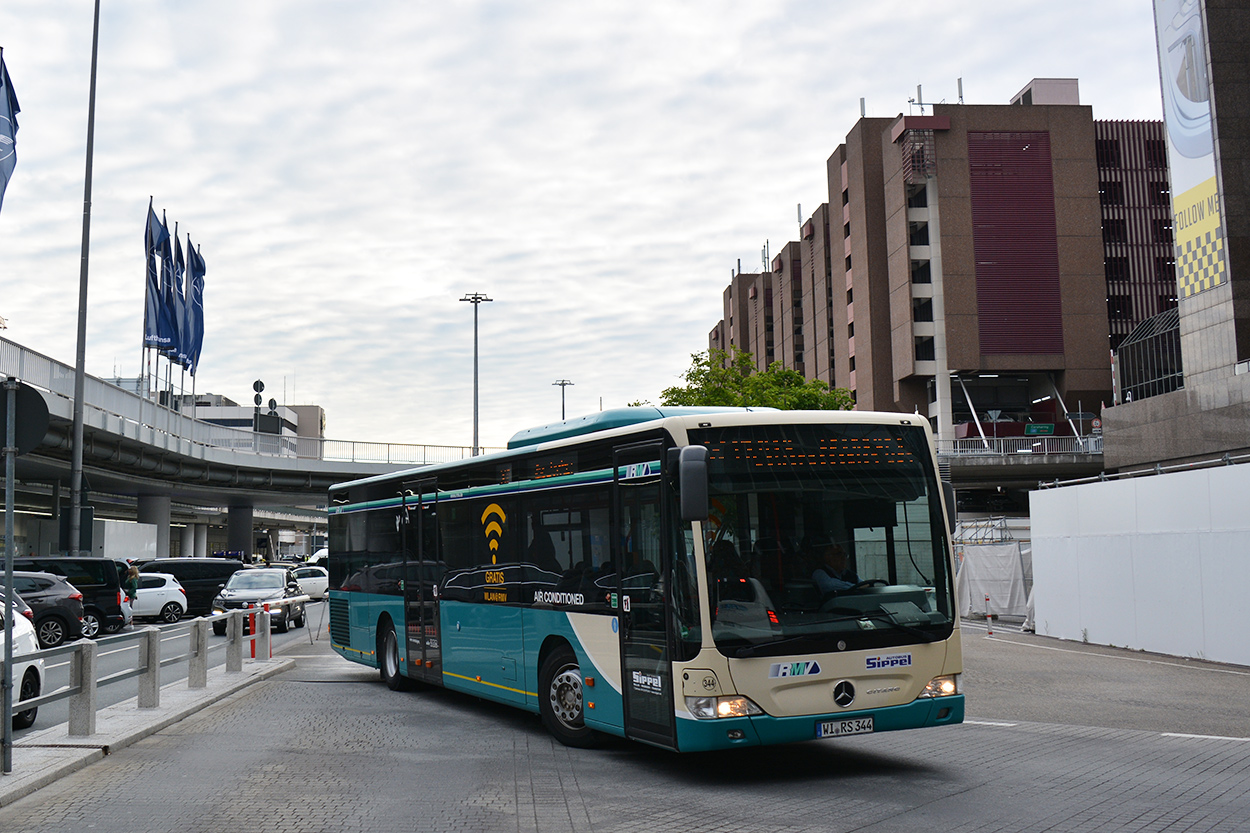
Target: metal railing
(1012,446)
(110,408)
(85,682)
(1157,468)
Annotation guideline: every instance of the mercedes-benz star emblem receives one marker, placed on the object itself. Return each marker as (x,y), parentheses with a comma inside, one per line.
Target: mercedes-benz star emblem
(844,694)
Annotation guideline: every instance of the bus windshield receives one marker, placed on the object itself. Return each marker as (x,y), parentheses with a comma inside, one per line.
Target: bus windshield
(824,538)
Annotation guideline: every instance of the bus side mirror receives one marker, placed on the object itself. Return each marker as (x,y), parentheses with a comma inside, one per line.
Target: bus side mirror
(692,480)
(948,495)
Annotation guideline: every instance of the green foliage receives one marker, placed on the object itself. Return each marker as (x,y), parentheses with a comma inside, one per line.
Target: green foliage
(718,378)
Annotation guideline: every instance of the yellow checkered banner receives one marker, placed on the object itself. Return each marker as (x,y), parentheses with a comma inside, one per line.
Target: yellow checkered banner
(1199,239)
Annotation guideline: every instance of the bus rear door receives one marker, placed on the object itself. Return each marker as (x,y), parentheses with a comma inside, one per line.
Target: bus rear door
(422,573)
(641,560)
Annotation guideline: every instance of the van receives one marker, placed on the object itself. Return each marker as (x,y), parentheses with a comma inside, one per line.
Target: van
(200,577)
(96,579)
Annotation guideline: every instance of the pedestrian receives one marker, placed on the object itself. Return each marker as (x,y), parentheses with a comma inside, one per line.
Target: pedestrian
(132,584)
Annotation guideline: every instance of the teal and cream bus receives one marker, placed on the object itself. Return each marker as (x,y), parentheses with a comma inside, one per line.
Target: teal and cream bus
(661,574)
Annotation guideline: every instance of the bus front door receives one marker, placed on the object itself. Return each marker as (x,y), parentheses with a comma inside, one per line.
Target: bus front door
(420,580)
(641,561)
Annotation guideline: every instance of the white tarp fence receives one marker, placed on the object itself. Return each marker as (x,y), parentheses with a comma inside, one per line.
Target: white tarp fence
(996,571)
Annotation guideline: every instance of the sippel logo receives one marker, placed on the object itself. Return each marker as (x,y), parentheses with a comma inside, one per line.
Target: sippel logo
(889,661)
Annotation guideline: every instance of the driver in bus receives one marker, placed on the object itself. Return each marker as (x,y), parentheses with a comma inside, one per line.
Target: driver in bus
(833,572)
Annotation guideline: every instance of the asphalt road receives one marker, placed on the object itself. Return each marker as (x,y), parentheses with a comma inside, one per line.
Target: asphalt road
(1059,737)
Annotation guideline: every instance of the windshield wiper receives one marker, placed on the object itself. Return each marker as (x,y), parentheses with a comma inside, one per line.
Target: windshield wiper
(752,650)
(885,616)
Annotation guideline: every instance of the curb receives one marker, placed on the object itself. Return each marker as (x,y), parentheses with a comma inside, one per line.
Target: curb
(49,755)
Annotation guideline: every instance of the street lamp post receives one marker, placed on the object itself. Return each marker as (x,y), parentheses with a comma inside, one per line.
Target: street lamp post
(475,299)
(563,383)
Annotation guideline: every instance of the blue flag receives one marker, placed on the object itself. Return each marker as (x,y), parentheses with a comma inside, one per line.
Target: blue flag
(195,305)
(165,307)
(179,352)
(8,129)
(155,236)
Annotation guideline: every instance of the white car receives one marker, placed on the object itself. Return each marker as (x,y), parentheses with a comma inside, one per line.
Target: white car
(313,581)
(27,674)
(160,596)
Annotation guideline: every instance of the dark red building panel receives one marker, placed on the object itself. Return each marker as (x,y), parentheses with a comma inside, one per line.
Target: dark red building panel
(1013,233)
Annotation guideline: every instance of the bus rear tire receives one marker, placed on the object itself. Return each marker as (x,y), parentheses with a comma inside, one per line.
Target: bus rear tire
(561,701)
(388,659)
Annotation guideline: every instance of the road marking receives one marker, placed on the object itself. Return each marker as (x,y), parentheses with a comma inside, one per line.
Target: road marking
(1201,737)
(988,723)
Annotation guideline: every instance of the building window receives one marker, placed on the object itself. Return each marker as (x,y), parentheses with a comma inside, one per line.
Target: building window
(850,297)
(1114,231)
(1116,268)
(1108,152)
(1111,193)
(848,263)
(850,329)
(921,309)
(1162,231)
(851,361)
(1165,269)
(846,230)
(1166,302)
(919,234)
(924,349)
(920,272)
(918,198)
(846,196)
(1156,154)
(1160,194)
(1119,307)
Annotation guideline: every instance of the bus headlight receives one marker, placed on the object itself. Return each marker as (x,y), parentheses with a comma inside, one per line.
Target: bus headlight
(944,686)
(710,708)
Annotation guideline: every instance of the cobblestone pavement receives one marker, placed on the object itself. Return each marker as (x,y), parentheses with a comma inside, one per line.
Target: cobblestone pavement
(327,748)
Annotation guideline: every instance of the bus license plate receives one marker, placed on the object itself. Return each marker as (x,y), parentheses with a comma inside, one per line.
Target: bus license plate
(837,728)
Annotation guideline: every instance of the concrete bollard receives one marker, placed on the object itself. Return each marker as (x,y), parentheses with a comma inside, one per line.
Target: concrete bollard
(150,679)
(82,675)
(263,644)
(234,642)
(197,666)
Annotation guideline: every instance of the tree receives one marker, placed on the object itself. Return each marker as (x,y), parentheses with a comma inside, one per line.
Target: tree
(720,378)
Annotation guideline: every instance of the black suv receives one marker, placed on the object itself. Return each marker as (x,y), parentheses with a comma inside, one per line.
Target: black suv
(95,578)
(57,606)
(253,589)
(200,577)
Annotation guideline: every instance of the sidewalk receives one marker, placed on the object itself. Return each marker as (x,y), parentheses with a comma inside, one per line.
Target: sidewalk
(42,757)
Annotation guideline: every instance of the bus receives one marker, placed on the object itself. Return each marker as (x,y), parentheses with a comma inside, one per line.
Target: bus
(660,574)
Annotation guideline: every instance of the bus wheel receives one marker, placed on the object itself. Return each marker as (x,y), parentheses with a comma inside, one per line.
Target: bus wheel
(388,659)
(560,699)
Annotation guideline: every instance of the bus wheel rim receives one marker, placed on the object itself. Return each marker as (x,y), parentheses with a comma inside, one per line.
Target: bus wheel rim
(566,696)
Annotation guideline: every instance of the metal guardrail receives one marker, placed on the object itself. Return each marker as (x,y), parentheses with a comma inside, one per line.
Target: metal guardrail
(84,681)
(111,408)
(1012,446)
(1213,462)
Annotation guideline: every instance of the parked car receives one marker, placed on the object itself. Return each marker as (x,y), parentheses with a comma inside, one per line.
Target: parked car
(97,580)
(201,578)
(57,606)
(27,673)
(252,588)
(160,596)
(313,581)
(20,605)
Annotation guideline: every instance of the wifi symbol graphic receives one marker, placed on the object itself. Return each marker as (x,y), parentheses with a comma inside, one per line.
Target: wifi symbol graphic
(493,528)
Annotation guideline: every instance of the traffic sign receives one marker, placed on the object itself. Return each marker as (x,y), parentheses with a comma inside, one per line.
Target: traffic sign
(1037,429)
(30,421)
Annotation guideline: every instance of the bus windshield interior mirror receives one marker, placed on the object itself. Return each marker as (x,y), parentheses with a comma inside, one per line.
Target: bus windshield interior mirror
(692,472)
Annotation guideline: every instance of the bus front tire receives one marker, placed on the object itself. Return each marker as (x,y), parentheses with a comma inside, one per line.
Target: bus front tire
(388,659)
(561,701)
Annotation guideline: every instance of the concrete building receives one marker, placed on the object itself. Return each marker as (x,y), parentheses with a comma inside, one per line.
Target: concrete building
(991,256)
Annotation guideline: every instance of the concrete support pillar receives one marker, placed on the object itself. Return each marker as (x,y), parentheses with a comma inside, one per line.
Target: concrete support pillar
(154,509)
(201,540)
(187,542)
(239,531)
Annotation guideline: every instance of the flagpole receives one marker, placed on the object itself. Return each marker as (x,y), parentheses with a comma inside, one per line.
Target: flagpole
(80,373)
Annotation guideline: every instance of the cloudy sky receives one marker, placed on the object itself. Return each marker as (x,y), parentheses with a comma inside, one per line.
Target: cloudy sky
(352,168)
